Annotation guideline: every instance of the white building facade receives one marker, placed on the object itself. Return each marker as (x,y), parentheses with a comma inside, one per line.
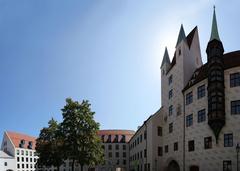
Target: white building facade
(198,125)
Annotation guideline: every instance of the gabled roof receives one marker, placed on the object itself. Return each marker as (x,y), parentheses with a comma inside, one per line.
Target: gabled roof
(190,37)
(17,137)
(230,60)
(181,35)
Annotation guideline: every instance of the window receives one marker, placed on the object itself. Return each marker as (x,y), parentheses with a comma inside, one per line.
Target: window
(124,162)
(145,153)
(159,131)
(228,140)
(141,154)
(227,165)
(208,142)
(191,145)
(124,154)
(5,163)
(175,146)
(235,107)
(170,127)
(201,115)
(22,152)
(170,80)
(17,152)
(109,139)
(166,148)
(178,109)
(170,94)
(137,140)
(124,147)
(145,134)
(201,91)
(109,147)
(110,154)
(117,154)
(160,151)
(179,52)
(117,147)
(102,137)
(189,120)
(18,159)
(170,110)
(189,98)
(22,159)
(235,79)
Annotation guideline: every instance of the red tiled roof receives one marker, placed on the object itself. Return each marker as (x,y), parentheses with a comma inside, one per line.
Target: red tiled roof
(230,60)
(128,134)
(17,137)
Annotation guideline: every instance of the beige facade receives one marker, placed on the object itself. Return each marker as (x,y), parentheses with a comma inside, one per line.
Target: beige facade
(189,140)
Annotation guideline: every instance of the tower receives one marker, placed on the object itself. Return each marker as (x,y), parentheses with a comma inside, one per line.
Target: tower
(216,96)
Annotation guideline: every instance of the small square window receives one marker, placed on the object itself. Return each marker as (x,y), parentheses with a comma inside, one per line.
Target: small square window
(159,131)
(170,110)
(189,120)
(235,79)
(208,142)
(160,151)
(170,127)
(228,140)
(235,107)
(201,91)
(201,115)
(175,146)
(189,98)
(166,148)
(170,94)
(191,145)
(170,80)
(227,165)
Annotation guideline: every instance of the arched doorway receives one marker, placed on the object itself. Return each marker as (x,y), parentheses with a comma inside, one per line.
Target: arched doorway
(173,166)
(194,168)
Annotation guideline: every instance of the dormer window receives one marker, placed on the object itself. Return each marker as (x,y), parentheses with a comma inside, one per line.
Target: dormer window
(109,139)
(30,145)
(116,139)
(123,140)
(102,138)
(21,144)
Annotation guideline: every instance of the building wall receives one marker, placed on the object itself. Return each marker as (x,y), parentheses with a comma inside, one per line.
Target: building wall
(7,164)
(212,159)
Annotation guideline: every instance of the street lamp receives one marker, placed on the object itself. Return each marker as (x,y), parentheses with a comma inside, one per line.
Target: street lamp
(237,149)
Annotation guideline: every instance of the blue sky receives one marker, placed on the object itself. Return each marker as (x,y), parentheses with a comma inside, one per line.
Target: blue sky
(106,51)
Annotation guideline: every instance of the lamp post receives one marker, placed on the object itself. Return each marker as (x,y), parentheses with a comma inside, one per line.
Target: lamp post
(237,149)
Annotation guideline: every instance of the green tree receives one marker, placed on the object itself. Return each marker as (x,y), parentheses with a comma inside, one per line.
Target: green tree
(49,146)
(81,142)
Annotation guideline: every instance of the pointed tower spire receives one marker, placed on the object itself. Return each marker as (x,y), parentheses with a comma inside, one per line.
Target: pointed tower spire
(214,32)
(181,35)
(165,58)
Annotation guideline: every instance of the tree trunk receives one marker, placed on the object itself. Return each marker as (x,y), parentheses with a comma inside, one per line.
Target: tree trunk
(81,167)
(73,162)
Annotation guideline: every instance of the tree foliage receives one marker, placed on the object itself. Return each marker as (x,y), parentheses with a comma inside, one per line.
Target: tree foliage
(75,139)
(81,142)
(49,146)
